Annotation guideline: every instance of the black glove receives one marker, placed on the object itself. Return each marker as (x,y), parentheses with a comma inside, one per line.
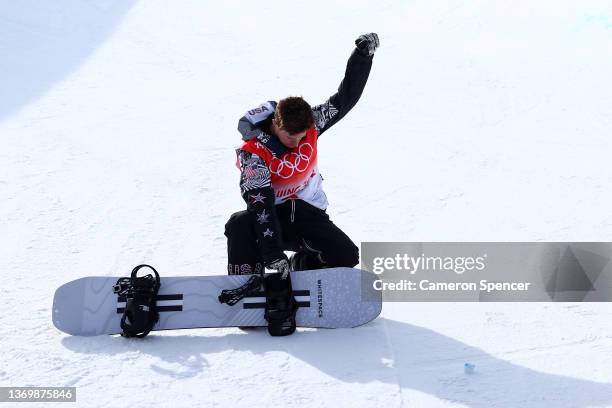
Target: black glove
(367,44)
(280,265)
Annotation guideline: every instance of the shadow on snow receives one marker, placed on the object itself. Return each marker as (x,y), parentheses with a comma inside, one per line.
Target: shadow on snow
(418,358)
(43,42)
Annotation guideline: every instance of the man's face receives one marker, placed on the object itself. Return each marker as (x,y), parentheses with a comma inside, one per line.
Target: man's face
(290,140)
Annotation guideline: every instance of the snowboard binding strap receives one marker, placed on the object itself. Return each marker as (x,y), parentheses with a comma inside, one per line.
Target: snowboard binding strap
(140,314)
(281,306)
(233,296)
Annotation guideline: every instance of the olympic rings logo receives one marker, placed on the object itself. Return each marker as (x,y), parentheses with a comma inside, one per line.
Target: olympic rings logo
(292,162)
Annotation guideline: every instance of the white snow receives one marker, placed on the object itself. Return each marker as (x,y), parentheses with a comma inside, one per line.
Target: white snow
(481,121)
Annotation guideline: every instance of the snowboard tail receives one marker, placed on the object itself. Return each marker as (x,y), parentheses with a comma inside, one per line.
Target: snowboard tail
(327,298)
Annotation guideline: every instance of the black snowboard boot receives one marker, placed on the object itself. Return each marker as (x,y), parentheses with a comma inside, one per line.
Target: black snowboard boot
(305,260)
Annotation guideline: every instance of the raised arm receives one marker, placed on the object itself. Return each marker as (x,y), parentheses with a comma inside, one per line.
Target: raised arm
(355,77)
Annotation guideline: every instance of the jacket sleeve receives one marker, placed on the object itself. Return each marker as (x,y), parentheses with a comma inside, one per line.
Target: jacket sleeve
(339,104)
(247,125)
(257,192)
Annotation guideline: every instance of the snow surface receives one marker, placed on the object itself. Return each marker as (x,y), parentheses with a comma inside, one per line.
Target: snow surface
(481,121)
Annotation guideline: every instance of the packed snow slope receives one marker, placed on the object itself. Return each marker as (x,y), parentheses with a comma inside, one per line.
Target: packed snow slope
(481,121)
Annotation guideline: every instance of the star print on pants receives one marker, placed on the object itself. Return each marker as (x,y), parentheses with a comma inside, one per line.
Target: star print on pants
(268,233)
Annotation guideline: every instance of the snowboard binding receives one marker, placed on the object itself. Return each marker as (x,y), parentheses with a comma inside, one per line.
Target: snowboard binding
(140,314)
(233,296)
(281,306)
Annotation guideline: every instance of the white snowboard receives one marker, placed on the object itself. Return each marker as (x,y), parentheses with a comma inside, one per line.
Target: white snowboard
(328,298)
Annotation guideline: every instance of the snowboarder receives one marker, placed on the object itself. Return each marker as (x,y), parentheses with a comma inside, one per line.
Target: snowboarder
(281,183)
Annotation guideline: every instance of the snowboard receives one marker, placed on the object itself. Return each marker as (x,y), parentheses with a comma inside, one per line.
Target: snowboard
(327,298)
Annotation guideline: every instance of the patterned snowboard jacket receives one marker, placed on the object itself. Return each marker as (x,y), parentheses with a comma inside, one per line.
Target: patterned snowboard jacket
(271,173)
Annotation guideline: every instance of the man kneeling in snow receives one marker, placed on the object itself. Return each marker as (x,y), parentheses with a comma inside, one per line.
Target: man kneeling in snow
(282,186)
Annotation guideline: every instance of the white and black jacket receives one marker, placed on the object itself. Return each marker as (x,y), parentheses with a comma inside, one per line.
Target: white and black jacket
(255,178)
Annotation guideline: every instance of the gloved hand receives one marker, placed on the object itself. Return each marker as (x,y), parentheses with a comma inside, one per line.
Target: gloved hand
(367,44)
(280,265)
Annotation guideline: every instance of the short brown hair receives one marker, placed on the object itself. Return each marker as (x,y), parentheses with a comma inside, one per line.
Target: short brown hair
(294,115)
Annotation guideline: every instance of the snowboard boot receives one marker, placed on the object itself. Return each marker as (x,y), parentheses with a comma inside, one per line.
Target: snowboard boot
(306,259)
(281,306)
